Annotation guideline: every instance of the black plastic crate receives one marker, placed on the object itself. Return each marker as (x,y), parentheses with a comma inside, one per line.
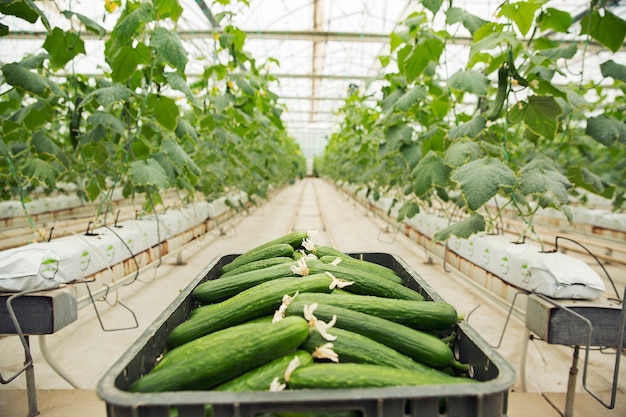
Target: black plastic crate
(488,399)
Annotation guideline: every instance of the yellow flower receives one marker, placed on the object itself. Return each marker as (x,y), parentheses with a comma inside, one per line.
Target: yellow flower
(111,5)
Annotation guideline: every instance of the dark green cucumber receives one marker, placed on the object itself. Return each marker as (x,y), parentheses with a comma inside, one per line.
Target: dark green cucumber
(418,345)
(357,375)
(258,301)
(260,252)
(421,315)
(220,289)
(220,359)
(258,265)
(260,379)
(365,283)
(352,347)
(327,255)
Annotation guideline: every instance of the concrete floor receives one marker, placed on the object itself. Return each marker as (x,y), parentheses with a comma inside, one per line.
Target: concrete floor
(85,351)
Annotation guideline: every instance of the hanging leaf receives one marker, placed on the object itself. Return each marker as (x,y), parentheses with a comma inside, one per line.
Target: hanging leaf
(612,69)
(605,27)
(17,75)
(108,121)
(427,50)
(115,93)
(408,210)
(90,25)
(168,8)
(148,172)
(589,181)
(164,110)
(470,129)
(480,180)
(411,97)
(470,81)
(463,229)
(539,181)
(166,43)
(126,60)
(489,37)
(606,130)
(540,114)
(185,129)
(177,82)
(430,172)
(565,52)
(432,5)
(24,9)
(554,19)
(127,26)
(42,171)
(396,135)
(461,152)
(522,13)
(178,155)
(469,21)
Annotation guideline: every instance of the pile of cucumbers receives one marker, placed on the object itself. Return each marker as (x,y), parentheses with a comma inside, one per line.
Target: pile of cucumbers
(290,314)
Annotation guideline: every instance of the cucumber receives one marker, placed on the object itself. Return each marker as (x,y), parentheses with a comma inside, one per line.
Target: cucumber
(352,347)
(258,265)
(259,379)
(260,252)
(366,283)
(418,345)
(358,375)
(220,289)
(421,315)
(367,266)
(258,301)
(219,359)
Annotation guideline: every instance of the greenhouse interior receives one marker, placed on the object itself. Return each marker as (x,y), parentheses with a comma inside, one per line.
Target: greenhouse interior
(312,208)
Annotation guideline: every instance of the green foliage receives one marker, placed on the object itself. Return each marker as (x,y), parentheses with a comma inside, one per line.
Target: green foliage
(427,142)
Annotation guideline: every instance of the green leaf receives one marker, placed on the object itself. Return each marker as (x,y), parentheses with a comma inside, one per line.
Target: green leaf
(177,82)
(427,50)
(612,69)
(432,5)
(4,29)
(522,13)
(106,96)
(408,210)
(461,152)
(396,135)
(589,181)
(127,26)
(463,229)
(540,114)
(606,130)
(428,173)
(42,171)
(90,25)
(178,155)
(44,145)
(63,46)
(4,149)
(17,75)
(168,8)
(538,179)
(554,19)
(166,43)
(148,172)
(185,129)
(471,129)
(126,60)
(566,52)
(606,28)
(164,110)
(480,180)
(24,9)
(390,100)
(36,114)
(107,120)
(469,21)
(494,38)
(411,97)
(471,81)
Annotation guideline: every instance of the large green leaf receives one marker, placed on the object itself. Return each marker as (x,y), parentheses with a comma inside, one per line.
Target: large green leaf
(461,152)
(126,28)
(411,97)
(106,96)
(107,120)
(606,130)
(471,129)
(398,134)
(471,81)
(536,179)
(62,47)
(589,181)
(184,128)
(565,52)
(24,9)
(469,21)
(464,228)
(125,61)
(480,180)
(428,173)
(42,171)
(408,210)
(554,19)
(177,82)
(17,75)
(540,114)
(90,25)
(166,43)
(432,5)
(168,8)
(522,13)
(178,155)
(148,172)
(489,37)
(605,27)
(612,69)
(44,145)
(427,50)
(164,110)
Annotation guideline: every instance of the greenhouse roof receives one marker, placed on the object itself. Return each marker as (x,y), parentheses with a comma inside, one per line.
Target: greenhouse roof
(322,47)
